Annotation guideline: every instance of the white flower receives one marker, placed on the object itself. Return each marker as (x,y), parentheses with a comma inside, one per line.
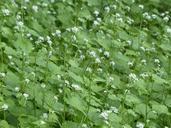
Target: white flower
(133,77)
(50,54)
(96,13)
(32,73)
(42,122)
(58,33)
(104,115)
(12,63)
(144,61)
(44,4)
(2,74)
(99,70)
(84,126)
(142,48)
(156,60)
(41,39)
(130,21)
(106,122)
(100,50)
(74,38)
(4,107)
(114,109)
(35,8)
(117,15)
(43,85)
(92,54)
(120,20)
(98,19)
(45,115)
(48,38)
(141,6)
(27,81)
(76,87)
(17,89)
(166,127)
(27,1)
(140,125)
(168,30)
(144,75)
(95,23)
(74,29)
(60,90)
(18,17)
(59,77)
(146,15)
(6,12)
(52,1)
(20,23)
(107,9)
(130,63)
(111,79)
(97,60)
(26,95)
(66,82)
(28,35)
(128,8)
(106,53)
(88,69)
(49,42)
(154,16)
(114,6)
(112,63)
(162,14)
(166,19)
(85,40)
(129,42)
(56,98)
(82,57)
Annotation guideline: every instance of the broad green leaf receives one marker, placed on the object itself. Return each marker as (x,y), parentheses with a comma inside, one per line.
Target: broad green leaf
(75,77)
(159,108)
(23,44)
(142,109)
(77,102)
(12,80)
(4,124)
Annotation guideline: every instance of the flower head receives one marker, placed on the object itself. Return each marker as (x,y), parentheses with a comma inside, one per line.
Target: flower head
(4,107)
(6,12)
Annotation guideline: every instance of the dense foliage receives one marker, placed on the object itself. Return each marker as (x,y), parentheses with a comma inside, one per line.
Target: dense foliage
(85,64)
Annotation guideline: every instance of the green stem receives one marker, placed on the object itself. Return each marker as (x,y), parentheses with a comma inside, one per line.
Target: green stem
(4,115)
(2,59)
(34,101)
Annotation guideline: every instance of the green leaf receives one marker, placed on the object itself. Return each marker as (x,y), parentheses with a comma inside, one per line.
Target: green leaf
(70,124)
(77,102)
(85,13)
(158,79)
(12,80)
(165,46)
(142,109)
(75,77)
(4,124)
(168,101)
(132,99)
(161,109)
(23,44)
(94,2)
(6,32)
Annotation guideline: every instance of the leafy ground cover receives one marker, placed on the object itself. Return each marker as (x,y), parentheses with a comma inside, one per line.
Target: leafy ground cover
(85,64)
